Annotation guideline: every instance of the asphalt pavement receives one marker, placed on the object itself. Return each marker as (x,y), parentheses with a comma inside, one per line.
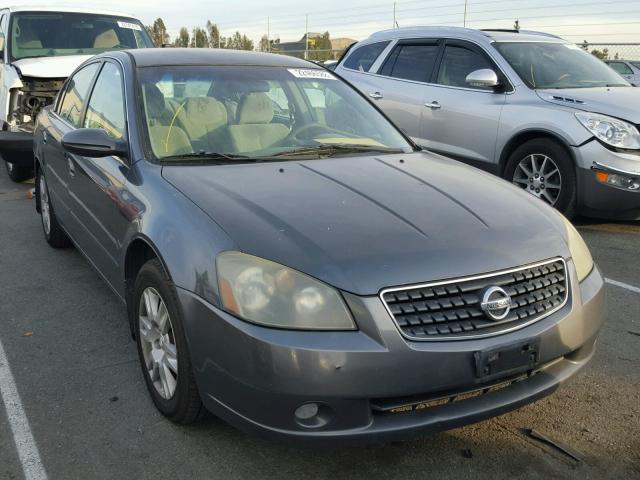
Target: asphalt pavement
(78,384)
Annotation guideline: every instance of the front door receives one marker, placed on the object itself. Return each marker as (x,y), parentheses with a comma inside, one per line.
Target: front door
(460,120)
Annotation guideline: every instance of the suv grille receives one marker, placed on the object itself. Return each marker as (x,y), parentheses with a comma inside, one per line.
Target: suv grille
(452,309)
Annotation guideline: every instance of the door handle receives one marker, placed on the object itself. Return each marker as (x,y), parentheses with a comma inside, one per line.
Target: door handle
(433,105)
(376,95)
(70,165)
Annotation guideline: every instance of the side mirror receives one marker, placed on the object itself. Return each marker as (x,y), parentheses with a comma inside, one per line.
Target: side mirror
(483,78)
(2,42)
(94,143)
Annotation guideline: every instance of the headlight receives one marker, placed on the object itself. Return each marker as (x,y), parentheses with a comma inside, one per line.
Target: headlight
(267,293)
(579,251)
(611,131)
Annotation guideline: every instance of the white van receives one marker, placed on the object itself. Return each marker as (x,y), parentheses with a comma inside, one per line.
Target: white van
(39,48)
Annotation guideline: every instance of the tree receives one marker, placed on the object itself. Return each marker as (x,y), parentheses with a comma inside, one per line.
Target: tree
(182,40)
(264,44)
(158,32)
(239,42)
(199,39)
(215,40)
(601,54)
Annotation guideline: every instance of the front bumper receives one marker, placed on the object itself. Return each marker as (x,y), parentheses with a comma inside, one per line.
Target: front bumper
(256,377)
(17,148)
(596,199)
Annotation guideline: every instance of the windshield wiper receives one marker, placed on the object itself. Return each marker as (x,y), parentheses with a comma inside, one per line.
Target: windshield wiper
(208,157)
(330,149)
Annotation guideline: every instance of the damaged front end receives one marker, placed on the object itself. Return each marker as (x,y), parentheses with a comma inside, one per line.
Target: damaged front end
(26,102)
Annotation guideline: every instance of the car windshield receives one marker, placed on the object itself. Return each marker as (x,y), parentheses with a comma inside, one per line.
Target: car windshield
(249,113)
(52,34)
(557,65)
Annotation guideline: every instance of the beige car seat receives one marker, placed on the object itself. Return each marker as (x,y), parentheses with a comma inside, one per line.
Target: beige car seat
(107,39)
(203,119)
(166,139)
(254,130)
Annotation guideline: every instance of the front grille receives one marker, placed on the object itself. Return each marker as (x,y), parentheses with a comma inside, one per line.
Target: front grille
(452,309)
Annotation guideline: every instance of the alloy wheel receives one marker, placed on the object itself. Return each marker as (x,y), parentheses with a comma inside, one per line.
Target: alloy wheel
(539,175)
(45,209)
(158,343)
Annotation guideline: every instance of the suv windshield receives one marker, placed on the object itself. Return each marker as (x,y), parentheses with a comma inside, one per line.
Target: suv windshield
(49,34)
(240,113)
(558,65)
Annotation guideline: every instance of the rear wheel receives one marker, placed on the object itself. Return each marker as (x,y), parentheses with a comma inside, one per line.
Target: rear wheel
(544,169)
(162,346)
(17,173)
(53,233)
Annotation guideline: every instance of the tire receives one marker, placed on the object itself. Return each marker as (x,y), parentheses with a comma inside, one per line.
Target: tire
(53,232)
(158,347)
(557,159)
(17,173)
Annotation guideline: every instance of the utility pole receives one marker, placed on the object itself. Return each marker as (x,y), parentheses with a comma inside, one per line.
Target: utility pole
(464,21)
(268,41)
(306,38)
(394,15)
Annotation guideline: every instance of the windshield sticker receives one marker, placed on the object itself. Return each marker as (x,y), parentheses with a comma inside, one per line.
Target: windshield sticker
(311,73)
(130,26)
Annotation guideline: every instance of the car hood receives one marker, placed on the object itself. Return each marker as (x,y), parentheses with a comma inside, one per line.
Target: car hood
(50,67)
(619,102)
(365,223)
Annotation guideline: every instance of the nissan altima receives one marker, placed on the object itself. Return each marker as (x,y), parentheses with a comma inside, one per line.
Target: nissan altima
(293,263)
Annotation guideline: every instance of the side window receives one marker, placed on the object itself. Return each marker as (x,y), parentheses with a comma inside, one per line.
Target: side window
(411,62)
(621,68)
(106,106)
(457,63)
(363,57)
(75,95)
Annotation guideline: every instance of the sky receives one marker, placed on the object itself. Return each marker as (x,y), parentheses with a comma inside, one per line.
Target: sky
(604,21)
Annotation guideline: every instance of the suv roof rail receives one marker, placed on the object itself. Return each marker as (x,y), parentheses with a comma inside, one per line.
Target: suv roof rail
(527,32)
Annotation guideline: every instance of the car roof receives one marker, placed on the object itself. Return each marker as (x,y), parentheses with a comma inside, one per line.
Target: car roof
(152,57)
(482,36)
(43,8)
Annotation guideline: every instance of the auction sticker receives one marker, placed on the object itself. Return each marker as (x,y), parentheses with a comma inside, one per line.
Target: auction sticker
(130,26)
(311,73)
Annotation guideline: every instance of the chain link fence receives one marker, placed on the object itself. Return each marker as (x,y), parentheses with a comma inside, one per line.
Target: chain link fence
(613,51)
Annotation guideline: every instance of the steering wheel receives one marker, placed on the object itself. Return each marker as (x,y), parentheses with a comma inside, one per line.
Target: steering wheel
(297,134)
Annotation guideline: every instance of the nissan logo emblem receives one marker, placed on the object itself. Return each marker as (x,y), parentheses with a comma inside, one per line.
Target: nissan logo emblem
(496,303)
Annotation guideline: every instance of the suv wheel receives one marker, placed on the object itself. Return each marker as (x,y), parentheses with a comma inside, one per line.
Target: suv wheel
(162,346)
(18,174)
(544,169)
(53,233)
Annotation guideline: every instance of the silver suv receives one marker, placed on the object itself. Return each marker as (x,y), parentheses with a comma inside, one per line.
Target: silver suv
(530,107)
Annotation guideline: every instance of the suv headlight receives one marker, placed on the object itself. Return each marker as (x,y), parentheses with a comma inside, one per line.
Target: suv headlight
(266,293)
(614,132)
(579,251)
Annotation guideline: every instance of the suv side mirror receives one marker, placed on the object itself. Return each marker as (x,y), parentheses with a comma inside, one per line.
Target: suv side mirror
(483,78)
(94,143)
(2,42)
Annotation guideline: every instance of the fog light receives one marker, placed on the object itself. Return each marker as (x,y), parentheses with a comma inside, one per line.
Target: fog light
(618,181)
(312,415)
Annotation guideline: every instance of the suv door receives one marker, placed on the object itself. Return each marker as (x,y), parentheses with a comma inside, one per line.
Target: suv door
(401,83)
(459,120)
(65,117)
(100,190)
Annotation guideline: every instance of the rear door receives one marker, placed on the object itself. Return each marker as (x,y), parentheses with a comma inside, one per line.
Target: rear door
(65,117)
(459,120)
(100,190)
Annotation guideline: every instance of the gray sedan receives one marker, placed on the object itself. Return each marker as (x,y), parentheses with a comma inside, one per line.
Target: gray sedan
(292,263)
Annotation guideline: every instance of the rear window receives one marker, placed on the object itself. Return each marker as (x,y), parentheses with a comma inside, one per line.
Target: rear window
(363,57)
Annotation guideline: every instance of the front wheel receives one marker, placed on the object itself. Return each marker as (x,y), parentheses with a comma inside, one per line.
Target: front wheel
(544,169)
(162,346)
(53,233)
(17,173)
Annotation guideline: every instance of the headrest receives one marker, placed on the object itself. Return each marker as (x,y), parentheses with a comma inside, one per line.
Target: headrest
(107,39)
(207,111)
(255,107)
(154,100)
